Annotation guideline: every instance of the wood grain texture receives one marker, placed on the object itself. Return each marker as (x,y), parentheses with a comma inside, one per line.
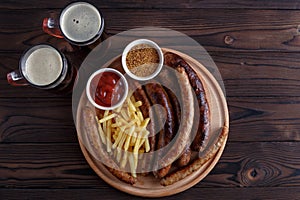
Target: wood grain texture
(253,164)
(261,75)
(263,164)
(36,120)
(262,4)
(281,193)
(262,90)
(54,166)
(264,120)
(236,30)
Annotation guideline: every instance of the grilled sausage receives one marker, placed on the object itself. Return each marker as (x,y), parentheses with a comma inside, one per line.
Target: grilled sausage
(199,162)
(96,145)
(169,80)
(176,107)
(181,139)
(157,95)
(201,138)
(170,84)
(140,95)
(185,157)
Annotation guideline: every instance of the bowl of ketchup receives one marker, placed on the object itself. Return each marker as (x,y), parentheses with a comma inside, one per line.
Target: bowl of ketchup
(107,89)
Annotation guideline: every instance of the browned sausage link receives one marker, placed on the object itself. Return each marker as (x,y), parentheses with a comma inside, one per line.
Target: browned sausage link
(170,84)
(169,80)
(158,124)
(158,95)
(201,138)
(176,108)
(140,95)
(91,131)
(185,157)
(163,171)
(124,176)
(188,170)
(182,137)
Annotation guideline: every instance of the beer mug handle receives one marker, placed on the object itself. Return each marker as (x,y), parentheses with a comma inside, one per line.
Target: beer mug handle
(51,26)
(16,79)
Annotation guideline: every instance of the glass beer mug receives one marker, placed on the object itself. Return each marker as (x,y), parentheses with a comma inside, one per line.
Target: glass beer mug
(43,67)
(80,23)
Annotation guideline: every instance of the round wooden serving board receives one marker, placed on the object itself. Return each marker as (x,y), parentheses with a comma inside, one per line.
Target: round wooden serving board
(148,186)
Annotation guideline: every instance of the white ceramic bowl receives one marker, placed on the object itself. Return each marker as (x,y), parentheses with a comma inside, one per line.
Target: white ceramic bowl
(89,95)
(153,45)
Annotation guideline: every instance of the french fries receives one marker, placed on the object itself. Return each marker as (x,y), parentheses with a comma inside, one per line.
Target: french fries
(124,129)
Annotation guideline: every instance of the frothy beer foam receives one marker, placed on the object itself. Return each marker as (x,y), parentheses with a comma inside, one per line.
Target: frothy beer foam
(43,66)
(80,22)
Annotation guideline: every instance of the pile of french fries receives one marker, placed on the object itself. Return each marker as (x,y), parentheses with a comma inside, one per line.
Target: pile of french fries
(124,128)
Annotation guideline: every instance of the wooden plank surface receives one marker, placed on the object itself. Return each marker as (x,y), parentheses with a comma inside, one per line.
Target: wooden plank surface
(122,4)
(39,120)
(255,45)
(261,75)
(251,164)
(236,30)
(281,193)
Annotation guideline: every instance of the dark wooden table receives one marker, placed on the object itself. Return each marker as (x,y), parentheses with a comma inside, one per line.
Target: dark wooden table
(256,46)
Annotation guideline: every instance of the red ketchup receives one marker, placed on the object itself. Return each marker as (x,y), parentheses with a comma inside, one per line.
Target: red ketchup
(108,88)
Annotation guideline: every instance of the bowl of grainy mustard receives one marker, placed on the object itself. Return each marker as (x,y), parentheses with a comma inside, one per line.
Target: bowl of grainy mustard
(142,59)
